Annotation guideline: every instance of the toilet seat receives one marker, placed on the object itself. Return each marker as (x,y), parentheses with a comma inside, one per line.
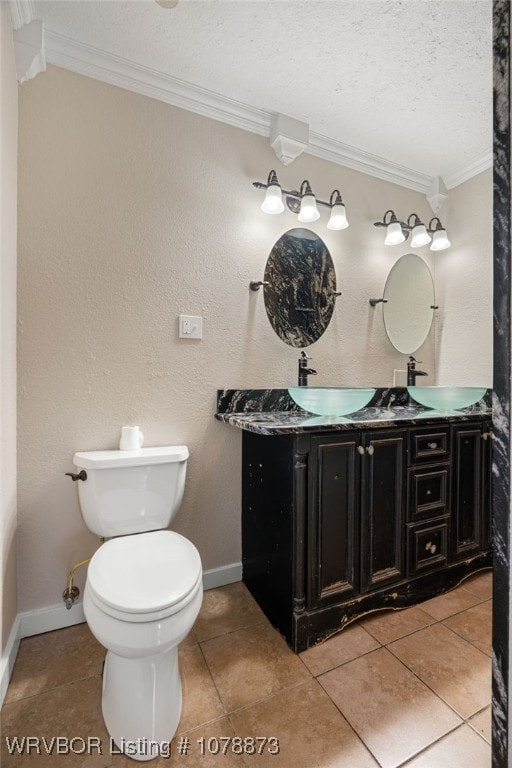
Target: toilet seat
(144,577)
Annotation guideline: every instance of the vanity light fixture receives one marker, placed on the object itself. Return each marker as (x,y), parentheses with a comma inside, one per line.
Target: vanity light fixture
(394,228)
(273,202)
(308,210)
(338,218)
(419,234)
(398,231)
(439,237)
(304,203)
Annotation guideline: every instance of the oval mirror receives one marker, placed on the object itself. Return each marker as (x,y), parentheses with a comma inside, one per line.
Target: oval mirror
(300,295)
(409,299)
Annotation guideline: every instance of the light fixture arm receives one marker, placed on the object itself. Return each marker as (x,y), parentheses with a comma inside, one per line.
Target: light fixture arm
(272,178)
(305,188)
(430,228)
(392,219)
(417,221)
(338,200)
(293,192)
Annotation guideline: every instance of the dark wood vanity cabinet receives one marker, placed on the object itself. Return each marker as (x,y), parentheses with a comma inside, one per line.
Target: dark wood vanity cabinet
(382,508)
(338,524)
(333,480)
(471,518)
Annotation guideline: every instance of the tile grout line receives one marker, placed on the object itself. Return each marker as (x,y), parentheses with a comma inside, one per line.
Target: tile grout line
(49,690)
(423,682)
(468,640)
(258,623)
(276,693)
(422,751)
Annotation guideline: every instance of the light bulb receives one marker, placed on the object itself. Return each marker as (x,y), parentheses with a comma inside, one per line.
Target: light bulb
(420,236)
(338,218)
(440,240)
(273,202)
(394,234)
(308,210)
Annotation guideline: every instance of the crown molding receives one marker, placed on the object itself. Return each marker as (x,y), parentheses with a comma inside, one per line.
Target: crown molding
(364,162)
(87,60)
(481,163)
(22,12)
(115,70)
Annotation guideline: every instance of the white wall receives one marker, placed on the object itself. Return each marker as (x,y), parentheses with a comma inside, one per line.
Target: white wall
(8,183)
(131,212)
(463,277)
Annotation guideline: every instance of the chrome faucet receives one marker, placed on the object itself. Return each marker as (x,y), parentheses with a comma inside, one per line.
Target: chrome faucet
(304,371)
(412,372)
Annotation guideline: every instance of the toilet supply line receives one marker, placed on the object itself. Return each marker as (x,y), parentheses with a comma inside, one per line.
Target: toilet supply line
(72,593)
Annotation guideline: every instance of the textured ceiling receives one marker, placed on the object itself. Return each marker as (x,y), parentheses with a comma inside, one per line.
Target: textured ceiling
(406,80)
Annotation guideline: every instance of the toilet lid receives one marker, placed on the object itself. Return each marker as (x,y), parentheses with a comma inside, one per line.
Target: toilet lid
(144,573)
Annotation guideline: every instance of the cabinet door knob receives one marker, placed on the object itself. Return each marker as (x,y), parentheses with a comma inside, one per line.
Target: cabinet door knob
(370,450)
(487,435)
(430,547)
(360,450)
(432,445)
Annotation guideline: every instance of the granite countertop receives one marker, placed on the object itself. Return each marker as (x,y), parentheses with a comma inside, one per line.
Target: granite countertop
(294,422)
(273,412)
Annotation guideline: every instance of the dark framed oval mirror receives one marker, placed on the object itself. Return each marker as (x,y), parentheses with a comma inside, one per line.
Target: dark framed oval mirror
(301,291)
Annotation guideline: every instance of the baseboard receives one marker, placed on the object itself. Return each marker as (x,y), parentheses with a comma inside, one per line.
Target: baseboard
(58,616)
(47,619)
(8,658)
(219,577)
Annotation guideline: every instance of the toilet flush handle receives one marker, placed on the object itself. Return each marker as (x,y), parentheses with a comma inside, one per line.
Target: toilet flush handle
(82,475)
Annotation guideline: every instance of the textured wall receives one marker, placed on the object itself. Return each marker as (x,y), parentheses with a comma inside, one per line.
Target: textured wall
(131,212)
(463,276)
(8,183)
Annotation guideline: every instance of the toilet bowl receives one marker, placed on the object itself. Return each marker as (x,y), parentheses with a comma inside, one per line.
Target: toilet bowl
(143,592)
(142,596)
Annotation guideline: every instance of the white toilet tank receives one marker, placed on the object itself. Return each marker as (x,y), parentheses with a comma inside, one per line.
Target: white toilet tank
(131,491)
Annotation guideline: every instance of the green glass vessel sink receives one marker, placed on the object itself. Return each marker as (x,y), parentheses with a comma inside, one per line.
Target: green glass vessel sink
(331,401)
(447,398)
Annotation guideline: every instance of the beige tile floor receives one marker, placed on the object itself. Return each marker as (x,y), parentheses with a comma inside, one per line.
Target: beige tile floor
(406,688)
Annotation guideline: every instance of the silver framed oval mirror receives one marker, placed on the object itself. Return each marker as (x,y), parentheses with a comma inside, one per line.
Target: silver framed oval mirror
(301,290)
(409,301)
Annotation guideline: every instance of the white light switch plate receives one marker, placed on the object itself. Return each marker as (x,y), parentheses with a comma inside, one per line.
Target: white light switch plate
(190,327)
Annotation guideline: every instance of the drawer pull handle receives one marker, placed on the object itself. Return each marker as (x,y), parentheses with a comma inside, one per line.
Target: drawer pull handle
(431,548)
(433,446)
(370,450)
(429,493)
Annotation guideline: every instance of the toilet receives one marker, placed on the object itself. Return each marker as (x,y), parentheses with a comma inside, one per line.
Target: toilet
(143,590)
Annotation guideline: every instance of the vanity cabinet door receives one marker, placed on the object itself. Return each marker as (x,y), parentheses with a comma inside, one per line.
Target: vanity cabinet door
(333,524)
(383,492)
(486,485)
(467,490)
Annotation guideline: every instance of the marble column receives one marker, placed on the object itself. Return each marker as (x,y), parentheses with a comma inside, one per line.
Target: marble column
(502,375)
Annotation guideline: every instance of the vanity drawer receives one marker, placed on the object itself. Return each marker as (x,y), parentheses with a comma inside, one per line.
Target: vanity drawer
(429,489)
(427,546)
(429,444)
